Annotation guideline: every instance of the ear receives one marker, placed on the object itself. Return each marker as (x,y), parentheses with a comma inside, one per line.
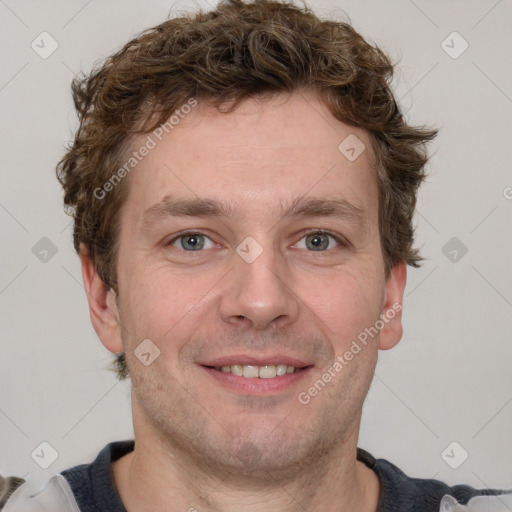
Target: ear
(391,313)
(102,305)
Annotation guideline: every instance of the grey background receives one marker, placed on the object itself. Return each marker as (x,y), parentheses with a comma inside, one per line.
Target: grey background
(450,377)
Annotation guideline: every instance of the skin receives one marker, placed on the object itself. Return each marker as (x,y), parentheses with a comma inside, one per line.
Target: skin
(200,444)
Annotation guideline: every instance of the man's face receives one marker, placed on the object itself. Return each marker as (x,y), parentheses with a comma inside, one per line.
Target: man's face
(252,286)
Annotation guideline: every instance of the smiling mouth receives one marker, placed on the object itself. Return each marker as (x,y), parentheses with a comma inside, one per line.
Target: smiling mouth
(250,371)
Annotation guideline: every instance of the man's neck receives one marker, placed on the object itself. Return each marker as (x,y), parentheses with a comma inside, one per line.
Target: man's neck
(148,479)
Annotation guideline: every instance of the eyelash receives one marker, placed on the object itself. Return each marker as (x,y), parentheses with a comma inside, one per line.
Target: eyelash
(342,242)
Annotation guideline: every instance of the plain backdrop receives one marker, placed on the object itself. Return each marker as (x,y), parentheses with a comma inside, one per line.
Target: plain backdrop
(449,380)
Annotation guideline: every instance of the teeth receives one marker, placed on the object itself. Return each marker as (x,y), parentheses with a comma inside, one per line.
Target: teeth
(249,371)
(237,369)
(267,372)
(281,369)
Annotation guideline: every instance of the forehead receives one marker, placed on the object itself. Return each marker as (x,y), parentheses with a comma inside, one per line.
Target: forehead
(269,151)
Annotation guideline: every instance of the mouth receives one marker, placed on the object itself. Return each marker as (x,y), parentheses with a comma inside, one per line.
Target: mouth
(257,376)
(250,371)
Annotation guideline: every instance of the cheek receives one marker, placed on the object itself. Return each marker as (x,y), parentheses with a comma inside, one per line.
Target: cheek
(346,304)
(162,303)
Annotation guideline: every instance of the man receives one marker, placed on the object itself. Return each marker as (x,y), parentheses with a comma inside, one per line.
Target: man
(243,185)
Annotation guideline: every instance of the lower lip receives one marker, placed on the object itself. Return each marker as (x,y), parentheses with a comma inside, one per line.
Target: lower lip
(258,386)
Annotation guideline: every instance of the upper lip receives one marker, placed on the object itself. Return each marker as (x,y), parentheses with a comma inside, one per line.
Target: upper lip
(260,360)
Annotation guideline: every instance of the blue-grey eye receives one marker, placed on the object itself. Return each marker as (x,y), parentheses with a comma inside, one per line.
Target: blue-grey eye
(192,242)
(319,241)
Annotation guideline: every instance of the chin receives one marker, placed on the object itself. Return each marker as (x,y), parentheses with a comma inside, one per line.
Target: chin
(268,454)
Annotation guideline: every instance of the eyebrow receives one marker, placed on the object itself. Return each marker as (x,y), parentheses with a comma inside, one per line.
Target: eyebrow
(205,207)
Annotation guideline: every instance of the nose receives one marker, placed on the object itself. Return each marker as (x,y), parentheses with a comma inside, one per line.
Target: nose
(260,294)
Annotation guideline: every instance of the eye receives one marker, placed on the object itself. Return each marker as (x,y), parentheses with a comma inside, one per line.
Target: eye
(191,242)
(320,241)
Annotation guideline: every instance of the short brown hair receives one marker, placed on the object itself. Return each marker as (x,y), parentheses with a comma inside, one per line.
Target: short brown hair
(237,51)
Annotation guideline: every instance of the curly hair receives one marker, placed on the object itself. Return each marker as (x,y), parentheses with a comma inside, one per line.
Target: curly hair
(235,52)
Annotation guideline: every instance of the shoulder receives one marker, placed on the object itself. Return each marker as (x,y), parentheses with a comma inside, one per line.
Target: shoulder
(85,487)
(400,493)
(56,494)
